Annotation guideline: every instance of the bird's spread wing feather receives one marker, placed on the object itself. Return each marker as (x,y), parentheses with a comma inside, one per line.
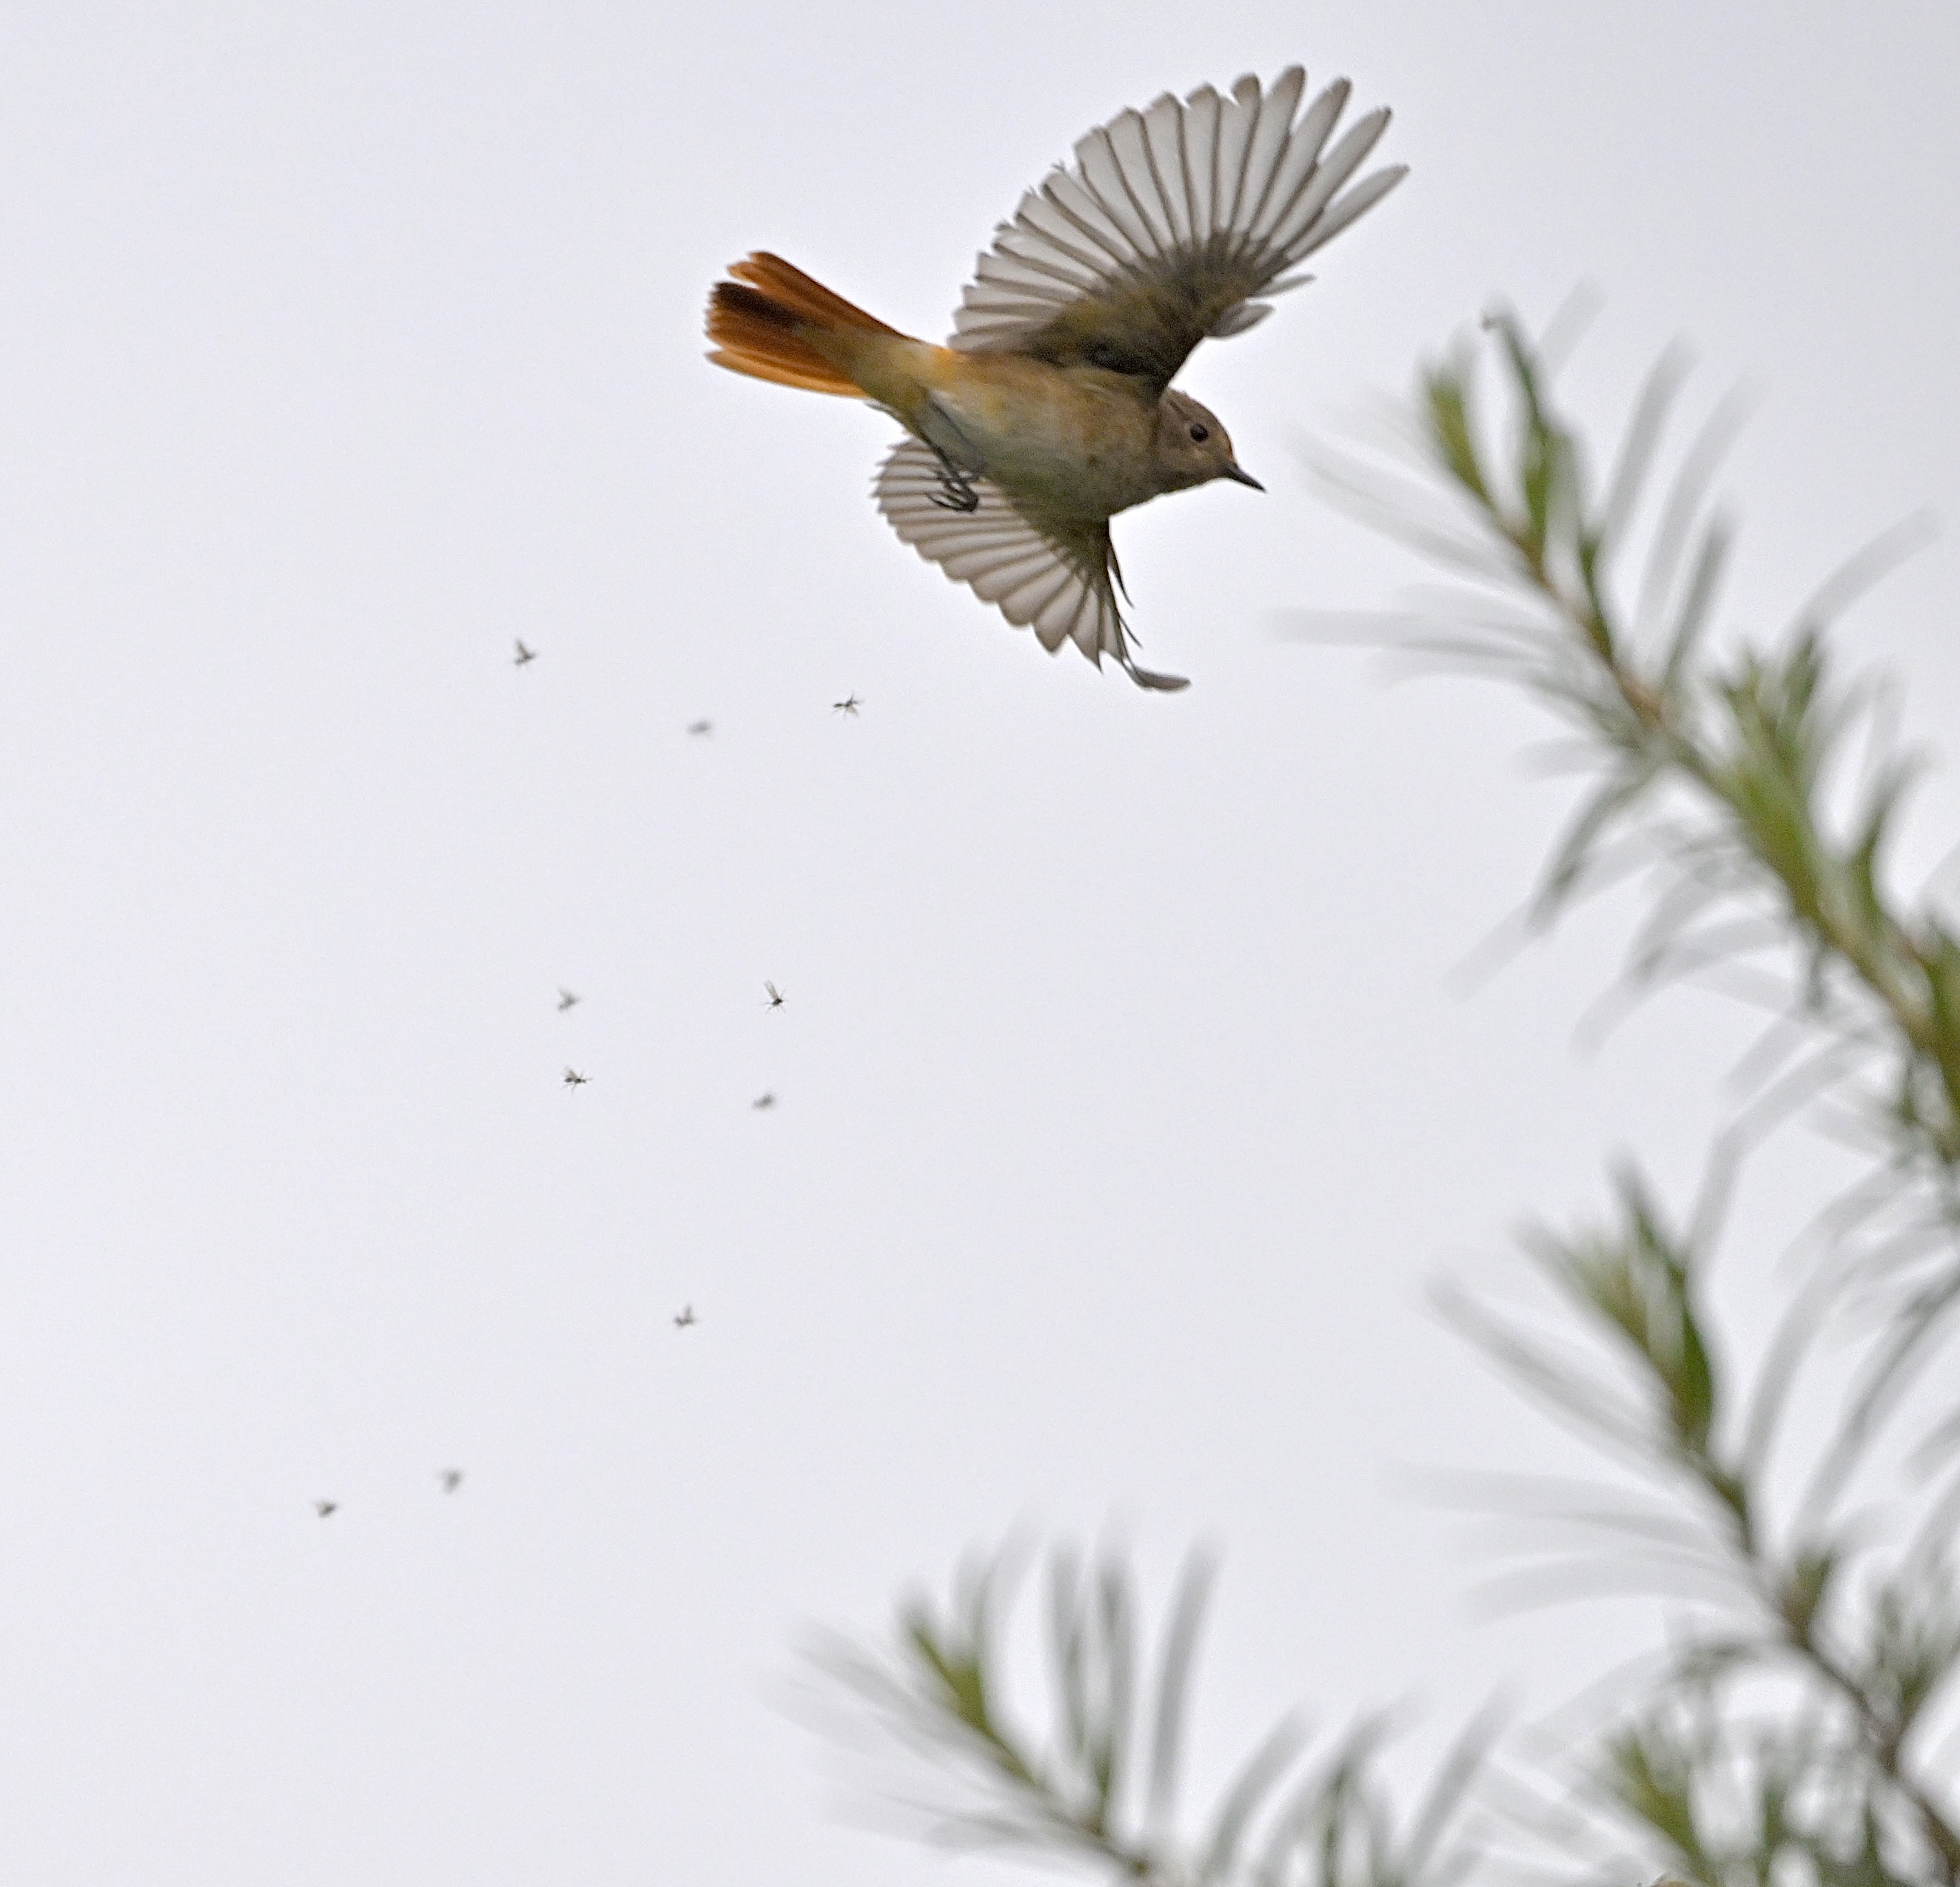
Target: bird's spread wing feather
(1054,576)
(1166,226)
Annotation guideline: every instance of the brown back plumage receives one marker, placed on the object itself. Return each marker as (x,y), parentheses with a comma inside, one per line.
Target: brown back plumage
(759,323)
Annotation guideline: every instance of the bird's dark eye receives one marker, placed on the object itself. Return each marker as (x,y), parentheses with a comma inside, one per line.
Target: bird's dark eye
(1201,434)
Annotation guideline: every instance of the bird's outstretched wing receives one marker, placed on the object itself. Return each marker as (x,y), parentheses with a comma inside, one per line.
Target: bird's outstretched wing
(1166,226)
(1054,576)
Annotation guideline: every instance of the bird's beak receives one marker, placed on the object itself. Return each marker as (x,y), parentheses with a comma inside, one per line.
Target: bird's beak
(1241,478)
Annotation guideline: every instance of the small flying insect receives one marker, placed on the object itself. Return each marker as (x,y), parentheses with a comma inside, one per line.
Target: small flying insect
(324,1508)
(566,999)
(573,1078)
(523,654)
(849,705)
(776,998)
(762,1101)
(686,1317)
(451,1479)
(701,727)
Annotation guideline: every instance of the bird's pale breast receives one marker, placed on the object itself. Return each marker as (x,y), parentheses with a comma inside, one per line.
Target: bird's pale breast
(1074,442)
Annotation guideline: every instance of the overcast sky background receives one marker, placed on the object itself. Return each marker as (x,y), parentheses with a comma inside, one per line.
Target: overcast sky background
(1124,1102)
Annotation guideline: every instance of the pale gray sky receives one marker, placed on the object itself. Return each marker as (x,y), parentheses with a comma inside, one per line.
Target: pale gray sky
(1124,1108)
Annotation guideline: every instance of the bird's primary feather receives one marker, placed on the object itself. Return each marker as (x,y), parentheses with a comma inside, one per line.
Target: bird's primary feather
(1053,575)
(1168,224)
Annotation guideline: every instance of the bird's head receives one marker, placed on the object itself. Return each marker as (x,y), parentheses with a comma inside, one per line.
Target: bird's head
(1192,448)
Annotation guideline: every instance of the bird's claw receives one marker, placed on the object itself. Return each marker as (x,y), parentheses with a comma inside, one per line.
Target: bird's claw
(956,491)
(959,496)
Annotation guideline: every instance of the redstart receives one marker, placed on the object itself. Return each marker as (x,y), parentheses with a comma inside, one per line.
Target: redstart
(1051,409)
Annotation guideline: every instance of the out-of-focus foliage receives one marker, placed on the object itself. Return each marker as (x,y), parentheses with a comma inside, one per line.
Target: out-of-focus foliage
(1100,1783)
(1798,1726)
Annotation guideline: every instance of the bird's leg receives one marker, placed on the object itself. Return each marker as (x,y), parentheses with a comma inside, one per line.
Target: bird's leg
(955,490)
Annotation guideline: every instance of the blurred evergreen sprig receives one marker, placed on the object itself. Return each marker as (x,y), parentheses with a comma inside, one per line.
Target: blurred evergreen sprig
(1790,1731)
(1101,1785)
(1716,776)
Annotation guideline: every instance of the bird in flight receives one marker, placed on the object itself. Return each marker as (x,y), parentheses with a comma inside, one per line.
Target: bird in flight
(1052,408)
(523,654)
(686,1317)
(763,1101)
(451,1479)
(324,1508)
(849,705)
(776,997)
(573,1078)
(566,999)
(701,727)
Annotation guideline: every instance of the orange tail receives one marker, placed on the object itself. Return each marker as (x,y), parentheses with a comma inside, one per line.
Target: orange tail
(761,323)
